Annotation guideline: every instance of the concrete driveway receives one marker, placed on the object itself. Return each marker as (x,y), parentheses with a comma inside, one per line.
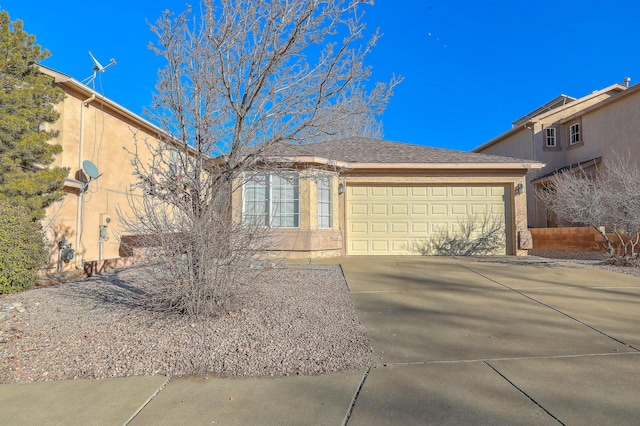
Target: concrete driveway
(496,341)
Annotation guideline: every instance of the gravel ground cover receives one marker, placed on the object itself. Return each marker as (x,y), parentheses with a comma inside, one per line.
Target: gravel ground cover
(295,320)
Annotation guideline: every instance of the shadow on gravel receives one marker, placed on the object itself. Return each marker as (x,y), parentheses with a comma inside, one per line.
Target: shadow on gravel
(109,290)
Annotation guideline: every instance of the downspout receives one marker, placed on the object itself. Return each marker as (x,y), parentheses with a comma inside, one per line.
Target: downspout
(80,206)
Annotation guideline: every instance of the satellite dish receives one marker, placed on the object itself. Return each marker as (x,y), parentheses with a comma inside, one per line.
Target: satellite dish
(97,67)
(90,169)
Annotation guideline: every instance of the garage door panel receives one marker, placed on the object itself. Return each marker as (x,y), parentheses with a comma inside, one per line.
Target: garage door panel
(399,228)
(399,210)
(478,191)
(379,209)
(379,228)
(358,209)
(437,192)
(398,246)
(391,224)
(419,209)
(400,191)
(358,247)
(497,191)
(358,191)
(379,191)
(379,246)
(359,228)
(459,209)
(418,191)
(458,191)
(479,209)
(419,228)
(439,209)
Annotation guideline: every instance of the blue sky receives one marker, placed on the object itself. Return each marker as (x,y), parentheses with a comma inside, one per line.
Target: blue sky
(470,67)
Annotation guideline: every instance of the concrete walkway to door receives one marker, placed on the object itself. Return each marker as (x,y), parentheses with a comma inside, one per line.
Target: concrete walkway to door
(496,341)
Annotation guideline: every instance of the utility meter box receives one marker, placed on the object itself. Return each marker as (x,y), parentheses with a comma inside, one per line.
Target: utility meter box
(105,219)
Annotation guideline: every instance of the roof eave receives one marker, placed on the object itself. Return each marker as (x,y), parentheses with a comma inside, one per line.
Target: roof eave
(448,166)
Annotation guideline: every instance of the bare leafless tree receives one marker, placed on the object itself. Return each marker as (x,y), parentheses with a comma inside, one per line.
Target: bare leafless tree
(608,199)
(242,79)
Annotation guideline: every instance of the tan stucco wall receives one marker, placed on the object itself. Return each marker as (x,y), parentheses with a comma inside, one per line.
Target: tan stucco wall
(104,134)
(611,129)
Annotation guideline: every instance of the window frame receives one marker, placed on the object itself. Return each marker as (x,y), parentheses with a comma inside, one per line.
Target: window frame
(553,137)
(274,188)
(575,138)
(328,191)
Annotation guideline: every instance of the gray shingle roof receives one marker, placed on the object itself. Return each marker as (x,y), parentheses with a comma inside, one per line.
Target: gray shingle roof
(362,150)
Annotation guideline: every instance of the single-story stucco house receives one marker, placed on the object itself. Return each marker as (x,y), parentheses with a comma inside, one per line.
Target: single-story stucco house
(345,197)
(362,196)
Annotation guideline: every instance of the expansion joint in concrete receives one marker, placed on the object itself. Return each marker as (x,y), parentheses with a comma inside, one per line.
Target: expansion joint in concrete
(345,422)
(552,308)
(529,397)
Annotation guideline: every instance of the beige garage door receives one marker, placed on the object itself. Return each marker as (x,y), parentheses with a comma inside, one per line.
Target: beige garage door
(392,219)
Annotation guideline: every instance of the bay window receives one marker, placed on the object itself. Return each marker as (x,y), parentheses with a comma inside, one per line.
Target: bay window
(271,200)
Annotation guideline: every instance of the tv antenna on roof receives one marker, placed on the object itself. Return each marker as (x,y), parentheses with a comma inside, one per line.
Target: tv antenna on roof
(97,67)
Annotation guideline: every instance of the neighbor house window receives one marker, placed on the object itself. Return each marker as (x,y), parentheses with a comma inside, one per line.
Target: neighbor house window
(551,136)
(325,207)
(574,134)
(271,200)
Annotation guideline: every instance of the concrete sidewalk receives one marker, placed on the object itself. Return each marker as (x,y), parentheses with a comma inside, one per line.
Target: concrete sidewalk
(456,341)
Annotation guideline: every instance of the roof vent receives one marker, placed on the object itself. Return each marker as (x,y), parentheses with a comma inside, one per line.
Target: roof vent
(627,80)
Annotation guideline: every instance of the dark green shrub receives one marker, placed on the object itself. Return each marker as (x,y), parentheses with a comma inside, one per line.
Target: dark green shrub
(22,249)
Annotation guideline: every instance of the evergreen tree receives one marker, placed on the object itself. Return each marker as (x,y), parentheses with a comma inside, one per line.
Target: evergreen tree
(27,99)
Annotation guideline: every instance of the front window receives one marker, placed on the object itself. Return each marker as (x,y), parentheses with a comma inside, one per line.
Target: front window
(551,136)
(574,134)
(271,200)
(324,185)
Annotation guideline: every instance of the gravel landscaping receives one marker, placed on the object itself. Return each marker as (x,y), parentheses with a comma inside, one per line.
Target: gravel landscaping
(295,320)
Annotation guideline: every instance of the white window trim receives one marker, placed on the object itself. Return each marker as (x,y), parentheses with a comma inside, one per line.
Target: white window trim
(575,137)
(269,216)
(328,202)
(550,137)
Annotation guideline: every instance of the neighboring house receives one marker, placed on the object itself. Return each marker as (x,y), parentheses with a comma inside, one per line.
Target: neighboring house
(567,133)
(370,197)
(92,127)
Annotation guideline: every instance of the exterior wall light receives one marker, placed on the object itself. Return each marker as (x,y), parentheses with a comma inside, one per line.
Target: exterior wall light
(341,188)
(519,189)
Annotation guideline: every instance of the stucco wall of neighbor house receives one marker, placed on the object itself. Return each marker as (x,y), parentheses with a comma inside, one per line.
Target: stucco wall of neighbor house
(610,130)
(104,134)
(517,145)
